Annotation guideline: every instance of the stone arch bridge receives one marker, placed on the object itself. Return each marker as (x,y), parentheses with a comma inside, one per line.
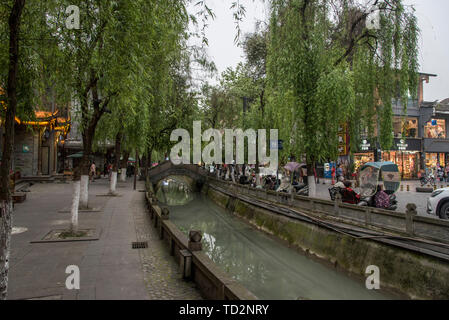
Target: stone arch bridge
(167,169)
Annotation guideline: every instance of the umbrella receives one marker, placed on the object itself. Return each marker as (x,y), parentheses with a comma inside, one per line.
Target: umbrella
(293,166)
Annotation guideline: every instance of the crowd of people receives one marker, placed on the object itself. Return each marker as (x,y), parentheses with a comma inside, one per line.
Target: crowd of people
(246,175)
(107,171)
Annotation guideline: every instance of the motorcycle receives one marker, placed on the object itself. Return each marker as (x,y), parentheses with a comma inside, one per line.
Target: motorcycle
(379,173)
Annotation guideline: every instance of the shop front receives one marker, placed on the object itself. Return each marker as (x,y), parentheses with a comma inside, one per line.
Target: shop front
(436,142)
(407,155)
(407,161)
(365,153)
(434,159)
(362,158)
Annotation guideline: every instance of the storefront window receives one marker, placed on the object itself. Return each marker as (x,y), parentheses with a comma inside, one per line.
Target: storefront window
(407,161)
(361,158)
(408,126)
(432,159)
(435,129)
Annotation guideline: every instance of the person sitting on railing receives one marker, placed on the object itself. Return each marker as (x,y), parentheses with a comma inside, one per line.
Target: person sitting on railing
(349,195)
(381,198)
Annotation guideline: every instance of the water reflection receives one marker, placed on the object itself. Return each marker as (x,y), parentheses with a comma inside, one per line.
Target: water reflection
(174,191)
(266,267)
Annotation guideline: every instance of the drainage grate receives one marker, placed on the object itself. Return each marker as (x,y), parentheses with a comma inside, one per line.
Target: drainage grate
(140,245)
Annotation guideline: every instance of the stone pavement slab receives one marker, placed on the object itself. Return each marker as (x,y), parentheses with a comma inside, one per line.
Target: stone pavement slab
(109,267)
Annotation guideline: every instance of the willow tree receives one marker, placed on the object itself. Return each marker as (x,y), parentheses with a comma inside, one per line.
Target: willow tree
(14,19)
(23,85)
(328,65)
(170,99)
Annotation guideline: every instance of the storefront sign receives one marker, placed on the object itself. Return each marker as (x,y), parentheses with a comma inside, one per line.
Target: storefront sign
(402,146)
(365,145)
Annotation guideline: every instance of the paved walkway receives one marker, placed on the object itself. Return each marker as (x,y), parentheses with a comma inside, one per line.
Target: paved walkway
(109,267)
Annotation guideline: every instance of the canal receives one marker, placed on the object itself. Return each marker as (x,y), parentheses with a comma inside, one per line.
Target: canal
(265,266)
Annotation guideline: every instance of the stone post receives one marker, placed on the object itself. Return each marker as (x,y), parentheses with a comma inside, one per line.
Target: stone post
(185,263)
(337,203)
(165,214)
(409,214)
(194,243)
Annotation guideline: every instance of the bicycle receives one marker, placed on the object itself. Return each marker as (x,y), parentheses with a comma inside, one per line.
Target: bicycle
(428,179)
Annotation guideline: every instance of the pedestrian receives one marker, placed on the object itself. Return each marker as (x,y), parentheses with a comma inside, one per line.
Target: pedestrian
(446,170)
(110,171)
(339,171)
(105,169)
(333,174)
(92,171)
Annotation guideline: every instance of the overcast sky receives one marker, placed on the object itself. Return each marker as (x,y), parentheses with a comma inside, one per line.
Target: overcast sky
(433,17)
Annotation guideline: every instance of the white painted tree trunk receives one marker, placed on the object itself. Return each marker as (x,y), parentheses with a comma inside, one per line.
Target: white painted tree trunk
(5,245)
(75,204)
(258,180)
(113,184)
(123,175)
(312,186)
(84,195)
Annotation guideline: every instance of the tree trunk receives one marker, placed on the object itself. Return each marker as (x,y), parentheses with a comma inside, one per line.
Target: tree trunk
(311,179)
(84,170)
(124,165)
(8,146)
(75,204)
(115,165)
(148,165)
(113,184)
(84,192)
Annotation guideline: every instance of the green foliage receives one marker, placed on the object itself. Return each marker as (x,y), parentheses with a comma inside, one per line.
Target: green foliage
(330,69)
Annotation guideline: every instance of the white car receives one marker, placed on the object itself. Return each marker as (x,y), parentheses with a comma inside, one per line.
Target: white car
(438,203)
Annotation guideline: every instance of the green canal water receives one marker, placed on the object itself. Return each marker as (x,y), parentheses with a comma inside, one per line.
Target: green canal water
(263,265)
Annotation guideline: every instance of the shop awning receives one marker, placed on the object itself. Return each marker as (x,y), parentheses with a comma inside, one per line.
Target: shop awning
(76,155)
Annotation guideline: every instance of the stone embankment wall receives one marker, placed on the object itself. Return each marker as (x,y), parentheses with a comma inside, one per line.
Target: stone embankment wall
(412,274)
(195,265)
